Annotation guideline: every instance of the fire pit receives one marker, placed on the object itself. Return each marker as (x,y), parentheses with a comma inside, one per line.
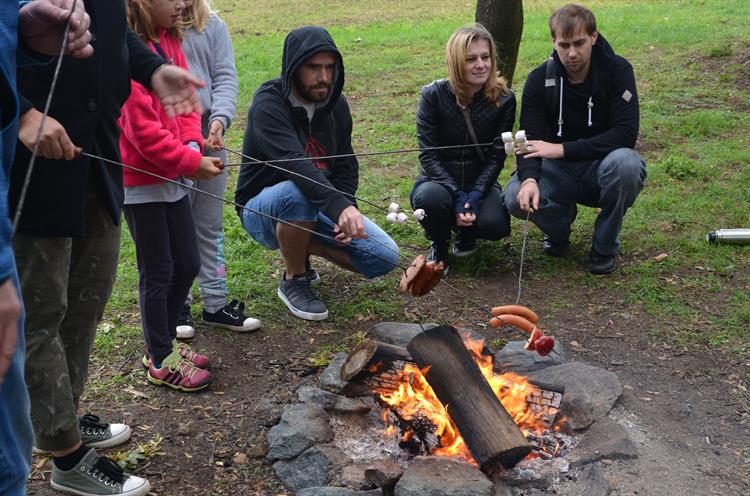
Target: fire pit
(443,396)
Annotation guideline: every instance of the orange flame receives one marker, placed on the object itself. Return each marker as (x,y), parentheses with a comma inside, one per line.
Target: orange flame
(415,396)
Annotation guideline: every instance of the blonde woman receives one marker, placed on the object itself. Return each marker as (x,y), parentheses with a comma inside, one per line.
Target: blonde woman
(457,187)
(209,53)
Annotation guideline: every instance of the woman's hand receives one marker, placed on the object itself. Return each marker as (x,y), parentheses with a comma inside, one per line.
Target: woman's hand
(54,143)
(209,168)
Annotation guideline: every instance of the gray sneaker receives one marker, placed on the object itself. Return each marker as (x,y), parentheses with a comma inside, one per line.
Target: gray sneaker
(95,476)
(297,294)
(98,434)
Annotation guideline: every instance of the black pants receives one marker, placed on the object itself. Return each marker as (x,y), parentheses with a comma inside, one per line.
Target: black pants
(493,221)
(168,261)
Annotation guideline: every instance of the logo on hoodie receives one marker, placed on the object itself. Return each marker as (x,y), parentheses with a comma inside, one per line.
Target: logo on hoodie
(313,149)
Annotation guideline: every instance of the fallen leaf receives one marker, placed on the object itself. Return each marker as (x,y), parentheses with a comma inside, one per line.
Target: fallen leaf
(660,257)
(135,393)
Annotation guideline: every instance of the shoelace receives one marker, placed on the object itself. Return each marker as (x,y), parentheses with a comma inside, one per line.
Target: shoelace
(184,367)
(111,473)
(306,289)
(91,424)
(235,309)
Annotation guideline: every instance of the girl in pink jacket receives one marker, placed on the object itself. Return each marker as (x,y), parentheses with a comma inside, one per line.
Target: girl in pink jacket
(158,213)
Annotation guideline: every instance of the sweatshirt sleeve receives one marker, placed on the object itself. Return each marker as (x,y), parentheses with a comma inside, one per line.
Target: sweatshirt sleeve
(143,62)
(190,124)
(346,176)
(272,132)
(495,157)
(624,121)
(533,121)
(6,248)
(223,76)
(141,126)
(428,136)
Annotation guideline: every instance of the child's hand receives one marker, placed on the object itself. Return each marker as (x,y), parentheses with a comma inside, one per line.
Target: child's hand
(215,140)
(210,167)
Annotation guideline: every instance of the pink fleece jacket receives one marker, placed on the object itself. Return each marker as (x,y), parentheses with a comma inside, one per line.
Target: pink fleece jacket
(151,140)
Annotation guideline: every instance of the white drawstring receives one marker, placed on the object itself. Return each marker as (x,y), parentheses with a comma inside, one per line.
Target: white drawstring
(559,117)
(590,105)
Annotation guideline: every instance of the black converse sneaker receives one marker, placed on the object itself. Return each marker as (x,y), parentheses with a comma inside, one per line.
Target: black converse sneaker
(98,434)
(96,475)
(185,326)
(437,253)
(463,247)
(233,317)
(299,297)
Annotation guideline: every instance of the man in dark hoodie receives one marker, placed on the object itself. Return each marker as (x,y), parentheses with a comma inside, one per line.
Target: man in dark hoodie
(580,111)
(303,115)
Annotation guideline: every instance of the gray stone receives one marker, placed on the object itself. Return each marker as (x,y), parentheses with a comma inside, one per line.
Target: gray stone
(330,379)
(590,482)
(590,392)
(336,491)
(331,401)
(383,473)
(513,358)
(501,489)
(301,426)
(353,476)
(435,476)
(315,467)
(605,439)
(398,333)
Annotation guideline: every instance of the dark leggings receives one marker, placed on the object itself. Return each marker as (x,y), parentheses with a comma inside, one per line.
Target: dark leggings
(168,261)
(493,221)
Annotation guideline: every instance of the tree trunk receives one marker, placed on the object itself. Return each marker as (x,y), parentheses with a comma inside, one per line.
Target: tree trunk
(491,435)
(504,19)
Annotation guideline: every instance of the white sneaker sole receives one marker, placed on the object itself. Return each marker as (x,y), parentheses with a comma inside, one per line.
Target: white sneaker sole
(137,491)
(185,332)
(253,326)
(104,443)
(462,254)
(300,313)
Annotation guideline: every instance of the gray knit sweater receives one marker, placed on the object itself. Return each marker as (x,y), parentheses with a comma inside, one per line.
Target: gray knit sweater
(210,56)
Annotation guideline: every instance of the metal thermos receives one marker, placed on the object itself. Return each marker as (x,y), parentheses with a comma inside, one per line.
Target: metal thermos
(729,236)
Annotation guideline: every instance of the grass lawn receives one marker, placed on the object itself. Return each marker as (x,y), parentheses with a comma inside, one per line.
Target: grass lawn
(691,62)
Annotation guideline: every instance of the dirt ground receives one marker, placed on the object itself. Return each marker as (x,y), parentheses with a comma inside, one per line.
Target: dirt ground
(689,410)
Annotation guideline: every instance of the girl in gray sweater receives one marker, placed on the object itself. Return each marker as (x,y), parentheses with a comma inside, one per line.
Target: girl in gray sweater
(210,56)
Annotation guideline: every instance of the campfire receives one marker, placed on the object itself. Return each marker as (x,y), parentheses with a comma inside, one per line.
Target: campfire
(443,398)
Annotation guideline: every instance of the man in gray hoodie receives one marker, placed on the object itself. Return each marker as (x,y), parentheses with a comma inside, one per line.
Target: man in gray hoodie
(303,115)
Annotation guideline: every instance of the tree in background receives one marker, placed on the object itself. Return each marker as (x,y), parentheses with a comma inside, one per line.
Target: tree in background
(504,19)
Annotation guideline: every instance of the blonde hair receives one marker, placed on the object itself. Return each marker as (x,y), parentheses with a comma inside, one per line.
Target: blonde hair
(455,57)
(142,22)
(197,15)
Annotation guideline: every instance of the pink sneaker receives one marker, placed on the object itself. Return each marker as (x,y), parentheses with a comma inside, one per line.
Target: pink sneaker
(178,373)
(186,352)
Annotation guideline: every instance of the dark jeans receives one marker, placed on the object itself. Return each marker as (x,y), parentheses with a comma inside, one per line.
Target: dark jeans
(167,253)
(66,284)
(493,221)
(612,183)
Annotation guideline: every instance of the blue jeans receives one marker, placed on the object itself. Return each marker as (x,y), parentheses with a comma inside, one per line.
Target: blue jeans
(612,184)
(373,256)
(16,433)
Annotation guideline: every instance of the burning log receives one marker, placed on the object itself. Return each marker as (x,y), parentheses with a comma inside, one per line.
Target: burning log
(491,435)
(374,366)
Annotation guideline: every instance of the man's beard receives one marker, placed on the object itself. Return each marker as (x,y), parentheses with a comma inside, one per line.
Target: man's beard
(305,92)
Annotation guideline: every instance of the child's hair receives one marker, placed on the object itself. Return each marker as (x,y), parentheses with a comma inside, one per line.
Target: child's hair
(197,15)
(141,20)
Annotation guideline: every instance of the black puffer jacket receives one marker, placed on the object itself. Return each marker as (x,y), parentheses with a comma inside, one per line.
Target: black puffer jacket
(440,122)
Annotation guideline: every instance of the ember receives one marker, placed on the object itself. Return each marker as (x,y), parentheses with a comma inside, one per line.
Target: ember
(427,428)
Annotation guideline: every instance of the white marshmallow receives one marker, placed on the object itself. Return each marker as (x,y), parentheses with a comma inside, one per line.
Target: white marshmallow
(507,137)
(509,148)
(401,218)
(419,214)
(392,217)
(521,135)
(393,207)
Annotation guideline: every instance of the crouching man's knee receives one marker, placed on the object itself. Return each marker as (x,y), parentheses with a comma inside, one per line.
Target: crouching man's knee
(624,170)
